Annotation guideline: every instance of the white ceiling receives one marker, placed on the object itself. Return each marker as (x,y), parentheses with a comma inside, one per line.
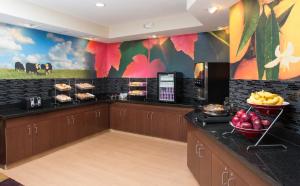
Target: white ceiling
(115,11)
(119,20)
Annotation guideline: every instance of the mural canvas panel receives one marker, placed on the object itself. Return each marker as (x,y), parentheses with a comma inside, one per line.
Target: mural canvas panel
(264,40)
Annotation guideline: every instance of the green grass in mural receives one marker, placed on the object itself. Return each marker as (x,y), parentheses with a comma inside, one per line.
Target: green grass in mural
(12,74)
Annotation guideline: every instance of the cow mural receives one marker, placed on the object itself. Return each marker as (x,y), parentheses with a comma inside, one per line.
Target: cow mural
(19,66)
(47,68)
(32,68)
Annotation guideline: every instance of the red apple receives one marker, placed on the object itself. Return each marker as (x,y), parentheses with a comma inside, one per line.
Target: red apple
(257,124)
(235,120)
(244,117)
(238,124)
(255,117)
(251,114)
(246,125)
(240,113)
(266,123)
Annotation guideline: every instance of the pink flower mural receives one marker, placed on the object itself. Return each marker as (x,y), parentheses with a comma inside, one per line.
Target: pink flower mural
(141,67)
(106,56)
(185,43)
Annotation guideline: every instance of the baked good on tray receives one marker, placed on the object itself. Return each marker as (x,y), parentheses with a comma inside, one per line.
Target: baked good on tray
(62,87)
(84,86)
(63,98)
(84,96)
(214,108)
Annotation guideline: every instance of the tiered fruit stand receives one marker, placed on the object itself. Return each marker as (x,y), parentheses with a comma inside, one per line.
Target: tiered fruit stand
(270,111)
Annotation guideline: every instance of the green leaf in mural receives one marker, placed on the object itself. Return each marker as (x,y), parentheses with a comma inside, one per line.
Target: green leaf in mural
(128,51)
(250,23)
(260,45)
(284,16)
(267,39)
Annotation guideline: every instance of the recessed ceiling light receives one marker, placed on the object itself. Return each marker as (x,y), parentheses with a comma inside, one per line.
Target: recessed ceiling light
(154,36)
(99,4)
(149,25)
(212,9)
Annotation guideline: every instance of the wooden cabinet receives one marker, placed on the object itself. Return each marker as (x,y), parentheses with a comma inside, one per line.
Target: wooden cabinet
(60,131)
(223,175)
(42,136)
(199,160)
(31,135)
(18,142)
(156,121)
(213,165)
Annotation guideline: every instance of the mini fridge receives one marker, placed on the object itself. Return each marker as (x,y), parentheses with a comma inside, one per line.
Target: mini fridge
(169,86)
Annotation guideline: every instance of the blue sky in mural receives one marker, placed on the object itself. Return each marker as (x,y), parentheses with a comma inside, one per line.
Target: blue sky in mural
(19,44)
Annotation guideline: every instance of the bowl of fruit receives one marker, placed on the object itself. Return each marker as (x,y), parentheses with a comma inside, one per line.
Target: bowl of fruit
(249,124)
(266,102)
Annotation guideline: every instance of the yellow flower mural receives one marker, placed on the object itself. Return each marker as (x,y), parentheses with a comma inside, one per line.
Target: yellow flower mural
(264,40)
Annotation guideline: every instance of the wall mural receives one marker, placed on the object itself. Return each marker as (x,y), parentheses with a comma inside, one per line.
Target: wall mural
(29,53)
(144,58)
(264,40)
(33,54)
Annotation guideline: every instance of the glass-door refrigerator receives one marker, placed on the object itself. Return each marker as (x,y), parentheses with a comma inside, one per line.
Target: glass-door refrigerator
(169,86)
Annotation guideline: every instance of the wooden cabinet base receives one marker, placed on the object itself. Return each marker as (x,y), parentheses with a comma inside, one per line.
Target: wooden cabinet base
(211,164)
(31,135)
(162,122)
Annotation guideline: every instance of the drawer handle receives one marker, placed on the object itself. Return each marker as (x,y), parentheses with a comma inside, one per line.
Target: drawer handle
(225,172)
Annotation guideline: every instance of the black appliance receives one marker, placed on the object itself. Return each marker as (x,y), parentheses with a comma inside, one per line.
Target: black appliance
(32,102)
(169,86)
(211,82)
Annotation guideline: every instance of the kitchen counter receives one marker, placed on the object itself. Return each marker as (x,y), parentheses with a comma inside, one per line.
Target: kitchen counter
(281,165)
(15,111)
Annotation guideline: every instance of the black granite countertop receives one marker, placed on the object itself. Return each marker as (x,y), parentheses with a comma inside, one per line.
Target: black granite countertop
(14,111)
(281,165)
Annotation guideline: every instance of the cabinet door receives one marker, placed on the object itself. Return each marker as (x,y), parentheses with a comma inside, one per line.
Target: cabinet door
(72,133)
(157,124)
(81,126)
(220,172)
(223,175)
(42,136)
(90,123)
(183,128)
(236,180)
(116,118)
(199,160)
(60,130)
(171,126)
(18,143)
(143,122)
(129,120)
(193,160)
(103,119)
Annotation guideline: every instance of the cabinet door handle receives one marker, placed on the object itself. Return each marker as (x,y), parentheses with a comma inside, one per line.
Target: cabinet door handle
(148,115)
(225,172)
(73,120)
(99,114)
(152,115)
(29,130)
(36,129)
(200,148)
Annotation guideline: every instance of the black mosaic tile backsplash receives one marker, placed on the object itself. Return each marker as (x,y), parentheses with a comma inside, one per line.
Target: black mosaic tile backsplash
(13,91)
(240,90)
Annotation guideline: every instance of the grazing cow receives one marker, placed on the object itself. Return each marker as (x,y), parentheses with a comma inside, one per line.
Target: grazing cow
(32,68)
(19,66)
(47,67)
